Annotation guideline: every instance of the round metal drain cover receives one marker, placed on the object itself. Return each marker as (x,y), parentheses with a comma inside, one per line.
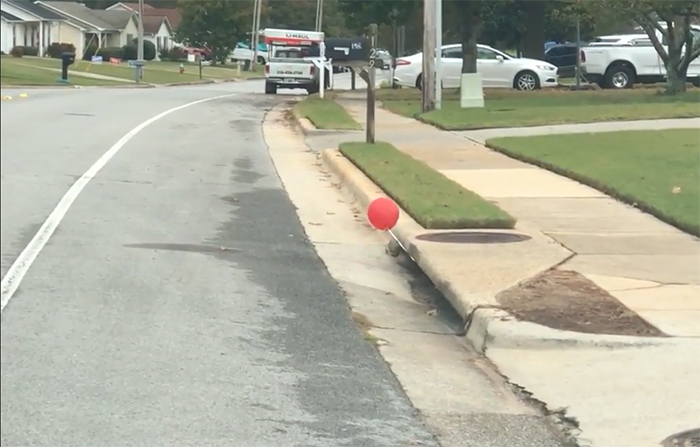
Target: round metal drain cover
(690,438)
(473,237)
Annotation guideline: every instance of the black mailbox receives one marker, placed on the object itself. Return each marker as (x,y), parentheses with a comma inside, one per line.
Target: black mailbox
(352,49)
(66,60)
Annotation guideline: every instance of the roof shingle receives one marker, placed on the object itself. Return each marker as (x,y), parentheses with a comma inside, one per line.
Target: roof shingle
(35,9)
(100,19)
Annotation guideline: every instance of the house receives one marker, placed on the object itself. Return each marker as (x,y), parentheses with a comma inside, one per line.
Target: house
(24,23)
(172,14)
(157,30)
(85,27)
(151,14)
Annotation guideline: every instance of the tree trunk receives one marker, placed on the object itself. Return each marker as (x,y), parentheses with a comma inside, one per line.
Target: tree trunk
(675,75)
(470,11)
(533,41)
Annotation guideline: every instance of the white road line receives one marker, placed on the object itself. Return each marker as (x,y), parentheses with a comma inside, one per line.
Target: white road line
(15,274)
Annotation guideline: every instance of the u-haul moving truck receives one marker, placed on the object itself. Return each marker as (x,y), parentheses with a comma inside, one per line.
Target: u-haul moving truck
(293,60)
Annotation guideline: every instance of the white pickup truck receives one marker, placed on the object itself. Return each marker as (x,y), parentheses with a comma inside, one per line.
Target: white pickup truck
(629,60)
(293,60)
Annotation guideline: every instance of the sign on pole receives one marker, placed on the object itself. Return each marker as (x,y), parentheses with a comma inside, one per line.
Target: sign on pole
(369,137)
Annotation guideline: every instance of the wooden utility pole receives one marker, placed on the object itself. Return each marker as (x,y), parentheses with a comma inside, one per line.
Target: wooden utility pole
(255,37)
(428,78)
(369,137)
(438,52)
(319,15)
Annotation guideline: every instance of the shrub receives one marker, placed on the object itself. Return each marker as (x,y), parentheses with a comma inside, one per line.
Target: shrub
(30,51)
(56,49)
(174,54)
(149,50)
(89,52)
(130,52)
(17,51)
(109,52)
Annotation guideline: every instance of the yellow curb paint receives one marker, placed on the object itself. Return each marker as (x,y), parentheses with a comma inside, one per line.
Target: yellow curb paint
(22,95)
(7,97)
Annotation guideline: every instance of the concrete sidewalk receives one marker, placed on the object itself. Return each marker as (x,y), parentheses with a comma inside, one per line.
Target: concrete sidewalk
(651,267)
(626,394)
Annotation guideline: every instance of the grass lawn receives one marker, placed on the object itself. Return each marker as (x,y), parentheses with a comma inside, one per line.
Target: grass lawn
(326,113)
(14,74)
(510,108)
(432,200)
(657,170)
(154,73)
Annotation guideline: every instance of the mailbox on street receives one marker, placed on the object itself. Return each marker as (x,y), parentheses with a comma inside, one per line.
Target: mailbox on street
(351,49)
(67,59)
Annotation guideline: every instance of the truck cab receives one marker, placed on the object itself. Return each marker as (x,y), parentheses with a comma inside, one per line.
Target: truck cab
(293,60)
(619,62)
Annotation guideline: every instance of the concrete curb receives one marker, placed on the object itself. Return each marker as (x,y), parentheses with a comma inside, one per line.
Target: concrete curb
(485,327)
(304,125)
(31,87)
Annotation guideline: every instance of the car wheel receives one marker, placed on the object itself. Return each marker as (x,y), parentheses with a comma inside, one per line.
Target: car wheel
(270,88)
(419,82)
(526,80)
(619,76)
(696,81)
(261,60)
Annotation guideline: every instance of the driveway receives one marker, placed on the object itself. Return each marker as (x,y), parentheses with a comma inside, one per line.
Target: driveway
(178,302)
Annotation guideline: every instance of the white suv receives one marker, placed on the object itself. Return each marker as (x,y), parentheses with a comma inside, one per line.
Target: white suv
(497,69)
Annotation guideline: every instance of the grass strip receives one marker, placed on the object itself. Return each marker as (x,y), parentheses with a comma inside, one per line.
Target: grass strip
(430,198)
(326,114)
(657,171)
(510,108)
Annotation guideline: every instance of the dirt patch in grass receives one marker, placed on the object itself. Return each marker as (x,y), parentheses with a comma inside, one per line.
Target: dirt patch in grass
(657,171)
(569,301)
(507,108)
(430,198)
(326,114)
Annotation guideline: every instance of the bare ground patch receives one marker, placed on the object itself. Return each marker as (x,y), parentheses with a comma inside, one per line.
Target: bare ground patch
(567,300)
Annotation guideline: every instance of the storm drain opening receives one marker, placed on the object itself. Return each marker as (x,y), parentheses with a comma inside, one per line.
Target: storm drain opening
(191,248)
(473,237)
(690,438)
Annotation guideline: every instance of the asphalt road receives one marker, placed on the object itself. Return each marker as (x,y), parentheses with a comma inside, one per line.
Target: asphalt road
(178,302)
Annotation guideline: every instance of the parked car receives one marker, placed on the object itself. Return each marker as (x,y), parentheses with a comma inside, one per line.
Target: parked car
(629,60)
(497,69)
(563,56)
(243,52)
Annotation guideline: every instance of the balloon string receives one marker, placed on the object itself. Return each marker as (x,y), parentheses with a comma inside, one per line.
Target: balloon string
(401,245)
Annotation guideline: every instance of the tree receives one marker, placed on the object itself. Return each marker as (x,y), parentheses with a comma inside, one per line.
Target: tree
(301,15)
(668,25)
(360,13)
(505,26)
(469,14)
(214,24)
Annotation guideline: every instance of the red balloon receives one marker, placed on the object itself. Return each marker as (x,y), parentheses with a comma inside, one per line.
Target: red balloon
(383,213)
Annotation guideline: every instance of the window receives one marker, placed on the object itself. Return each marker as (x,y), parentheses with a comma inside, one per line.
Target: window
(641,43)
(129,38)
(555,51)
(483,53)
(452,53)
